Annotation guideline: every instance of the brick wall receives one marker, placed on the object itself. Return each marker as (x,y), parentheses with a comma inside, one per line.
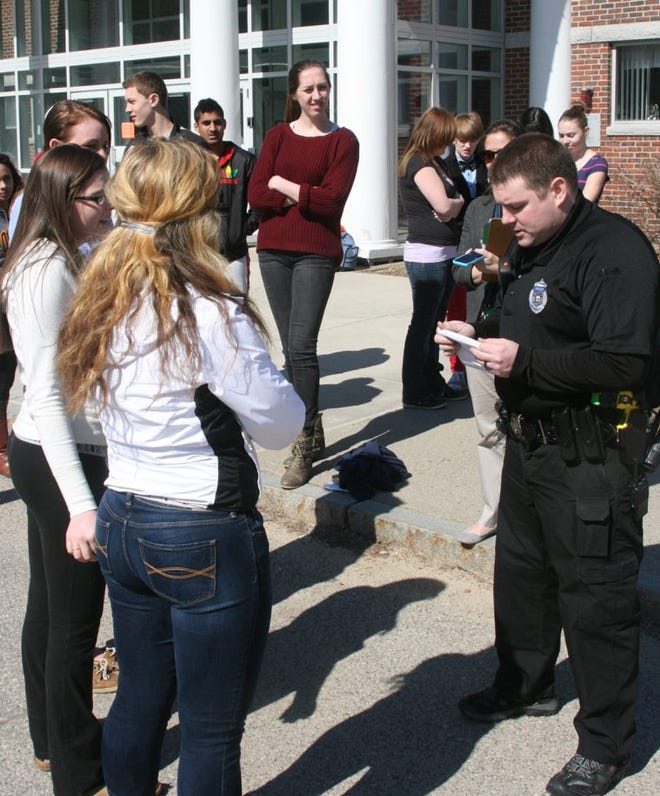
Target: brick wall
(56,28)
(414,9)
(597,12)
(7,29)
(516,60)
(516,81)
(630,157)
(516,15)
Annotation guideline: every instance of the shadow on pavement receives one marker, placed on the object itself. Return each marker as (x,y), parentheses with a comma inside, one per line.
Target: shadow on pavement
(8,496)
(351,392)
(327,633)
(409,742)
(348,361)
(291,572)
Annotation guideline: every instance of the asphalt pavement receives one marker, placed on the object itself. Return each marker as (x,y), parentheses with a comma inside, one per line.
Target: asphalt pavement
(368,653)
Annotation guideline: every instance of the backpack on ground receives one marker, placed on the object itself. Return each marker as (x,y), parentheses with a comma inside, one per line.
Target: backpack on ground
(350,251)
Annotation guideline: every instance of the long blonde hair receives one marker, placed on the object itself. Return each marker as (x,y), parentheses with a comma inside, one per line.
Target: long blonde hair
(166,243)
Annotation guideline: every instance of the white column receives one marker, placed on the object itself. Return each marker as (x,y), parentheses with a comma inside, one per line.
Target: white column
(366,104)
(214,69)
(550,57)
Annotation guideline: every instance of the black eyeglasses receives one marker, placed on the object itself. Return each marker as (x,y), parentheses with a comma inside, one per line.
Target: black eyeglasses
(98,199)
(491,154)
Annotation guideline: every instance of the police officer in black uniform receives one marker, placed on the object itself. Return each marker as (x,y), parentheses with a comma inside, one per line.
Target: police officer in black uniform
(570,345)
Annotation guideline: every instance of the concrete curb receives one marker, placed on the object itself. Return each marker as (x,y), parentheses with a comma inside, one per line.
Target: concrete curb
(423,536)
(373,521)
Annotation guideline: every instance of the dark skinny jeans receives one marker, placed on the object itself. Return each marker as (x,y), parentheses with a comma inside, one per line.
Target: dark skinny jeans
(64,606)
(298,287)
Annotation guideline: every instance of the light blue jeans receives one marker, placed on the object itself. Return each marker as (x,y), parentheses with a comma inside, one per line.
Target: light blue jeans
(191,598)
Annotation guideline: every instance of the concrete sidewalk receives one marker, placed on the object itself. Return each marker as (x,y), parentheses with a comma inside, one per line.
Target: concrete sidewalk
(360,348)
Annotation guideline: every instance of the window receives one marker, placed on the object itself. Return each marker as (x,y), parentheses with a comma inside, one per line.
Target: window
(269,101)
(453,12)
(414,97)
(7,81)
(314,52)
(417,10)
(147,21)
(178,104)
(309,12)
(93,24)
(452,56)
(168,68)
(270,59)
(638,82)
(414,53)
(487,14)
(53,27)
(55,77)
(268,14)
(8,127)
(94,74)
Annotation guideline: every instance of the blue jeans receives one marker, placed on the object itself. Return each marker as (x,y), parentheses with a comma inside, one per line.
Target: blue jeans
(431,285)
(191,598)
(298,287)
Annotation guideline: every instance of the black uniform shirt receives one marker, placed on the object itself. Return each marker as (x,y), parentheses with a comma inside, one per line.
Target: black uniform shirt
(583,309)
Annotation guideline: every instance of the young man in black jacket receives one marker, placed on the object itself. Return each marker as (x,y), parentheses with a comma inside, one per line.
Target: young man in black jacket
(235,166)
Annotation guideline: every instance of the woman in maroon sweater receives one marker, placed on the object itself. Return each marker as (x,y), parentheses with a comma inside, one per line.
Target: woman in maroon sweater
(300,183)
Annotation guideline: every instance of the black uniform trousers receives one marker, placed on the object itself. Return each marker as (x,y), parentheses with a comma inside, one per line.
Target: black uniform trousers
(567,556)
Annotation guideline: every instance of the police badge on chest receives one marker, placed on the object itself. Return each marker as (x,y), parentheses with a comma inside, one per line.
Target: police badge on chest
(538,296)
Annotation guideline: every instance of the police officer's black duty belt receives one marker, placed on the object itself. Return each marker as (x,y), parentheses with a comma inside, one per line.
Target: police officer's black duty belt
(532,433)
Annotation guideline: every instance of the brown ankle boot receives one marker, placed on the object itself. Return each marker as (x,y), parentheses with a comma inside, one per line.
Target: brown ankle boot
(318,439)
(299,468)
(318,442)
(4,464)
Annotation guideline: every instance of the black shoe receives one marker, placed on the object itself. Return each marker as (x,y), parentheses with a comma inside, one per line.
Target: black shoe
(490,706)
(456,388)
(429,402)
(584,777)
(455,393)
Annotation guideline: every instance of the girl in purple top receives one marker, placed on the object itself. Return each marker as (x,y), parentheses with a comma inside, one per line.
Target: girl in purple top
(591,167)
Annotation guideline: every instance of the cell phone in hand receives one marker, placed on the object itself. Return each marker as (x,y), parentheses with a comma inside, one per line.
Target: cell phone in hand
(468,259)
(497,236)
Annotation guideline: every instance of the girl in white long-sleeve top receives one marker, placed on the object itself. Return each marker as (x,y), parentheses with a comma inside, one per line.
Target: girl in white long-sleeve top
(184,385)
(58,467)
